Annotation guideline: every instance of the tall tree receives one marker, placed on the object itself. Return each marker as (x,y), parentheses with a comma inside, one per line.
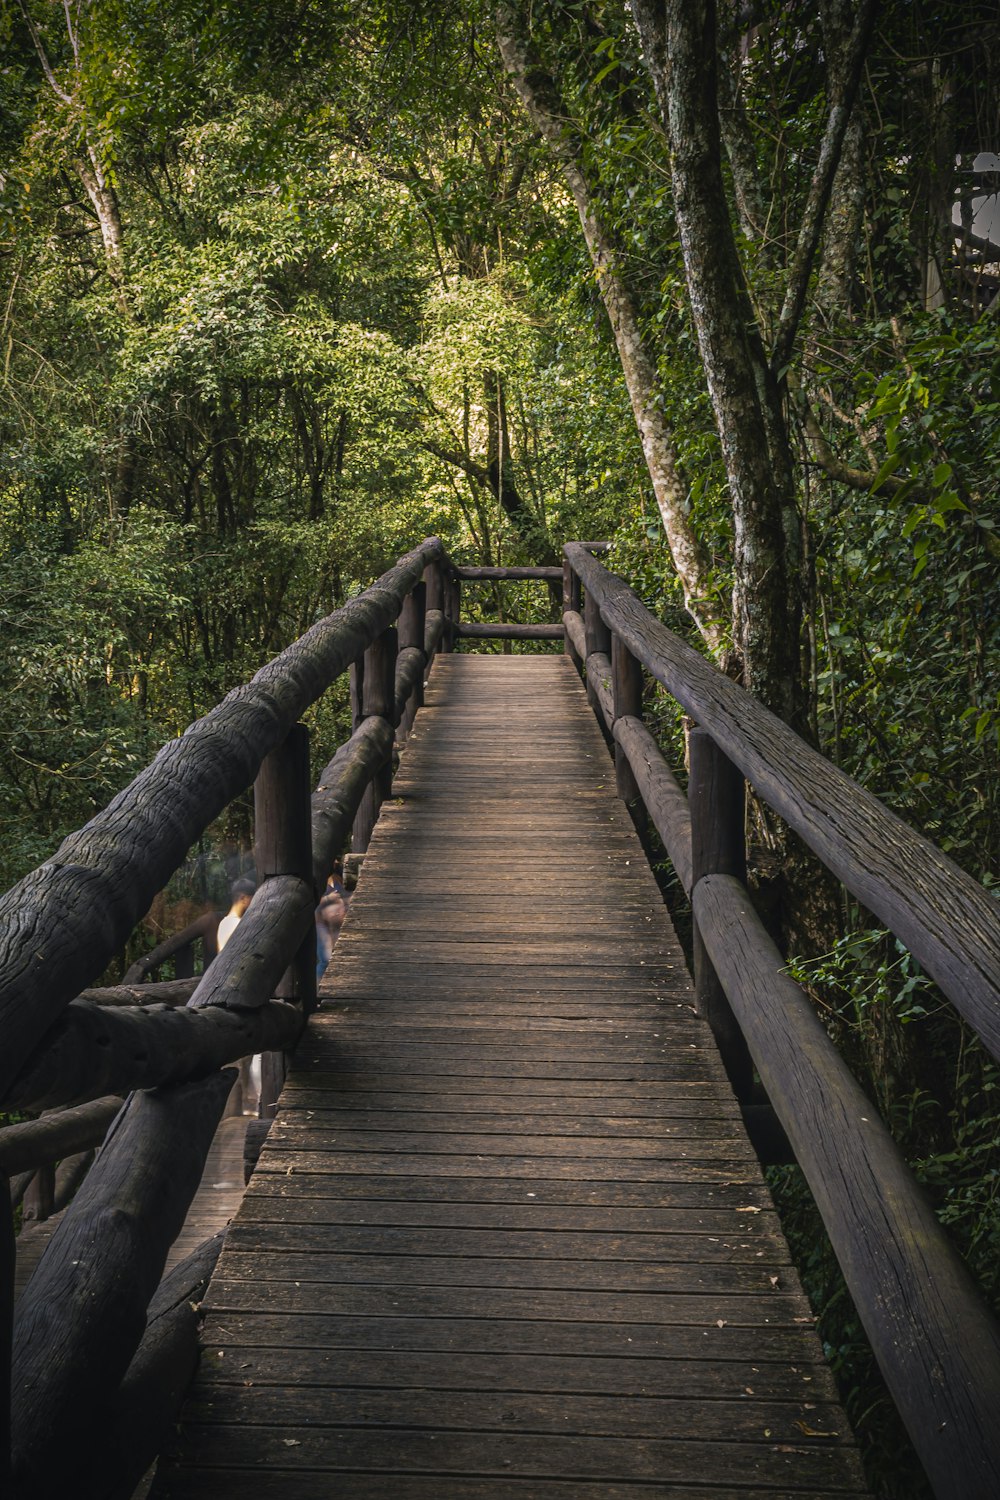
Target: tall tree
(540,96)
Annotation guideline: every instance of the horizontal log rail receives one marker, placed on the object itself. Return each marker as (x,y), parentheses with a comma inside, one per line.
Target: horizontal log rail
(65,921)
(503,630)
(946,920)
(553,575)
(35,1143)
(936,1342)
(508,631)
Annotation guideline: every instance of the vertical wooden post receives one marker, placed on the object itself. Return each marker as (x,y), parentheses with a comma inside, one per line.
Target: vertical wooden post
(626,687)
(452,612)
(717,800)
(38,1202)
(184,962)
(411,633)
(598,638)
(8,1261)
(377,693)
(571,601)
(283,846)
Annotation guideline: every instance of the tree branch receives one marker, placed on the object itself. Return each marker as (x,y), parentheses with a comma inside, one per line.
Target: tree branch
(841,104)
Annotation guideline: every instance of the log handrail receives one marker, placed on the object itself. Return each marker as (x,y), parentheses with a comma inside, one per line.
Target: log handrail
(935,1340)
(948,922)
(66,920)
(506,630)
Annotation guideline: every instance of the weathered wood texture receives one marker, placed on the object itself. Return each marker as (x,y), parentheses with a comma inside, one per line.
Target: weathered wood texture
(81,1319)
(662,798)
(554,574)
(150,1396)
(409,679)
(55,1136)
(506,1236)
(283,849)
(433,631)
(341,787)
(377,699)
(8,1258)
(61,925)
(576,634)
(717,801)
(936,1343)
(599,685)
(94,1050)
(944,917)
(412,648)
(509,632)
(156,992)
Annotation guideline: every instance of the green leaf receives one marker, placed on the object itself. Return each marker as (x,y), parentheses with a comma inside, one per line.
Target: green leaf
(889,467)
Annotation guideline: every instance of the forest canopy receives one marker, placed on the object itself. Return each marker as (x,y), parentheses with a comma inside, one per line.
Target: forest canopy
(285,287)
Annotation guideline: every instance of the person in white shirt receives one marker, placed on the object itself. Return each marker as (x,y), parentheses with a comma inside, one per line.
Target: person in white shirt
(240,893)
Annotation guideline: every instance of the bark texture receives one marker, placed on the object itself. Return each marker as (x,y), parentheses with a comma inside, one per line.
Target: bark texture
(540,98)
(83,1313)
(680,51)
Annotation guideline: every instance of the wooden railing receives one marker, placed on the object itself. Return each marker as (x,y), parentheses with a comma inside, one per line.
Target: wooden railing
(937,1344)
(91,1365)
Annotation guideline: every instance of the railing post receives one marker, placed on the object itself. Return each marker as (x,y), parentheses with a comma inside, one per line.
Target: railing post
(717,799)
(373,691)
(626,688)
(38,1203)
(412,620)
(283,846)
(8,1262)
(434,599)
(452,611)
(598,638)
(571,604)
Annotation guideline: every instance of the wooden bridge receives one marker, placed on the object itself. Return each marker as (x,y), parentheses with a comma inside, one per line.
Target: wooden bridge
(506,1235)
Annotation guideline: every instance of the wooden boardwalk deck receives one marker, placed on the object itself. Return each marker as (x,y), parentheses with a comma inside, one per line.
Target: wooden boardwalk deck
(507,1237)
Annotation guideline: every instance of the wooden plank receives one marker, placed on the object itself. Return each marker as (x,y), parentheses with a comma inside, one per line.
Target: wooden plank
(726,1195)
(346,1368)
(387,1450)
(637,1415)
(279,1484)
(788,1347)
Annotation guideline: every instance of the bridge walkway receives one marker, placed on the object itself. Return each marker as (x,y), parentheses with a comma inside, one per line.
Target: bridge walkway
(507,1237)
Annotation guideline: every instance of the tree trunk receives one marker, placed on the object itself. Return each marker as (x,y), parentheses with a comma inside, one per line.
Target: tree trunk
(681,57)
(500,472)
(540,98)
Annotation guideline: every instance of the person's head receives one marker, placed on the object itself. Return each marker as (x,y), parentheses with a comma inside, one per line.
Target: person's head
(239,894)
